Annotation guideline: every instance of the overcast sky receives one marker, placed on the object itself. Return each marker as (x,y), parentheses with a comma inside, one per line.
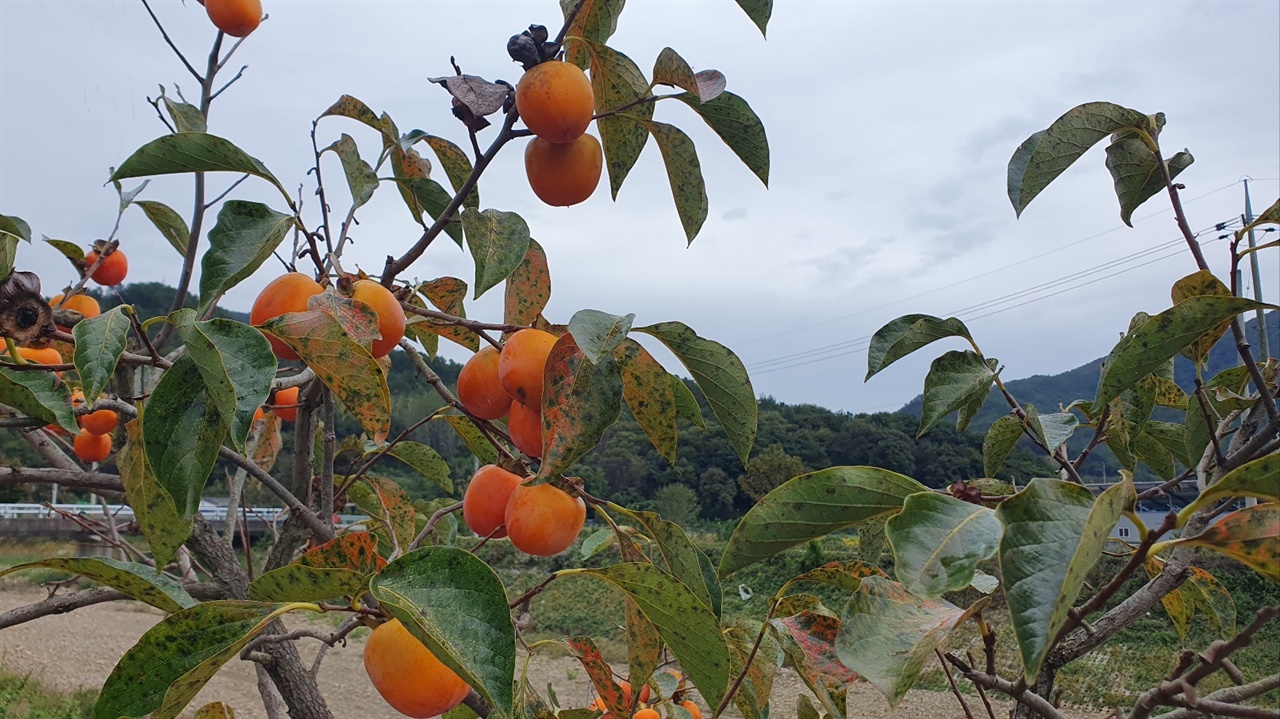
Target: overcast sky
(890,126)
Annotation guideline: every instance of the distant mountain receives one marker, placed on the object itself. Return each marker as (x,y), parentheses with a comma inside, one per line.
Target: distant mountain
(1047,392)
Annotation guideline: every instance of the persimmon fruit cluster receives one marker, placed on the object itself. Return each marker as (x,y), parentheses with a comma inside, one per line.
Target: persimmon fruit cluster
(494,384)
(540,520)
(563,163)
(412,680)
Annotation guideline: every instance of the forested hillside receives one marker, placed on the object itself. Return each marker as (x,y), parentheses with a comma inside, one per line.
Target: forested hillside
(1048,392)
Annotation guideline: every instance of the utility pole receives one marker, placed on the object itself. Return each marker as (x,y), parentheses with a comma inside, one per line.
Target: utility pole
(1257,277)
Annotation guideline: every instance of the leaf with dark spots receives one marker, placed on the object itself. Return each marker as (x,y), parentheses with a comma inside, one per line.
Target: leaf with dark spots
(528,287)
(580,400)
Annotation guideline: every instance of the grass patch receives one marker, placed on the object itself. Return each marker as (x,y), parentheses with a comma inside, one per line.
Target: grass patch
(24,697)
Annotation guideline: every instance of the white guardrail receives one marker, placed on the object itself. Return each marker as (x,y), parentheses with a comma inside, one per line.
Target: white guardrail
(210,512)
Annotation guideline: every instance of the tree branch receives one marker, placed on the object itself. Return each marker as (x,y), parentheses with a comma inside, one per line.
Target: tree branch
(1017,692)
(1230,695)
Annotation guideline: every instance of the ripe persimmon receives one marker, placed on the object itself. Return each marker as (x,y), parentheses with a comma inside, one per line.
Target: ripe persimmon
(84,304)
(286,404)
(102,421)
(259,415)
(555,101)
(478,387)
(484,506)
(692,708)
(286,293)
(91,447)
(520,366)
(111,271)
(543,520)
(524,425)
(236,18)
(391,319)
(44,355)
(412,680)
(646,714)
(563,175)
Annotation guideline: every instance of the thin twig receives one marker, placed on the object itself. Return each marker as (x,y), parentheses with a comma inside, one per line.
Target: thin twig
(431,524)
(952,681)
(172,46)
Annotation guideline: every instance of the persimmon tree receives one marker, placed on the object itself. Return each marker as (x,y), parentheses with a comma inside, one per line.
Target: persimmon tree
(191,391)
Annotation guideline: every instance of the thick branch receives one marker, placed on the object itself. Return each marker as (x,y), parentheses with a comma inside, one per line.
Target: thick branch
(98,482)
(1230,695)
(1016,692)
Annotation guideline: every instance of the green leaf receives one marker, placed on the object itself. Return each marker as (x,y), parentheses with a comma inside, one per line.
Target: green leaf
(954,380)
(165,670)
(1051,429)
(1137,174)
(1001,438)
(344,365)
(448,294)
(388,503)
(580,400)
(38,394)
(813,505)
(1054,532)
(687,407)
(598,333)
(193,152)
(1173,437)
(237,365)
(759,12)
(1250,536)
(671,69)
(528,288)
(871,539)
(1253,479)
(617,81)
(456,166)
(753,694)
(168,222)
(498,242)
(730,117)
(182,432)
(138,581)
(426,461)
(887,634)
(1155,455)
(687,625)
(456,606)
(336,568)
(1046,154)
(1215,599)
(649,394)
(153,507)
(473,438)
(69,250)
(1154,342)
(906,334)
(99,343)
(938,540)
(348,106)
(244,237)
(361,179)
(595,22)
(595,543)
(721,377)
(186,117)
(685,174)
(843,575)
(681,556)
(8,252)
(1199,284)
(12,226)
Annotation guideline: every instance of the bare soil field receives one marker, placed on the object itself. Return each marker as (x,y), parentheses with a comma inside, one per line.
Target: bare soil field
(79,649)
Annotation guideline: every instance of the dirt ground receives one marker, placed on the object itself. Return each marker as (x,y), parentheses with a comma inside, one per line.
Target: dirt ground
(80,649)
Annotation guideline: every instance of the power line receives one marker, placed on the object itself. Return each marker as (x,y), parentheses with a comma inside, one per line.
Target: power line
(861,344)
(1013,295)
(966,280)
